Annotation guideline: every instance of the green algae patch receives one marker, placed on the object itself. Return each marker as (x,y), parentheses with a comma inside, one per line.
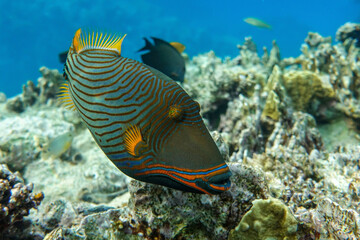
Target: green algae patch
(267,219)
(271,108)
(305,86)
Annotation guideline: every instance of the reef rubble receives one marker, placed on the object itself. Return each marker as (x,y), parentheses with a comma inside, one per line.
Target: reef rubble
(289,130)
(16,201)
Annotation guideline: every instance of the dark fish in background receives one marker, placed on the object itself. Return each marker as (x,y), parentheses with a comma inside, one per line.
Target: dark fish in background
(144,122)
(165,57)
(63,56)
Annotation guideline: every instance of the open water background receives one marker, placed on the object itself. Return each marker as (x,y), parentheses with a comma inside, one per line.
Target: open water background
(34,32)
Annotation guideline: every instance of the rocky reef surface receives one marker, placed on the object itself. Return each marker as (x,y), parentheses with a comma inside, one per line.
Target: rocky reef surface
(288,128)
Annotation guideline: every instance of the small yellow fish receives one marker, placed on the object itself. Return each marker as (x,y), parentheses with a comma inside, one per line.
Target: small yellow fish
(257,23)
(58,146)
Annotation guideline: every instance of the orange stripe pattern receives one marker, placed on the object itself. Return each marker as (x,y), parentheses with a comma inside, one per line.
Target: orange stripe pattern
(134,112)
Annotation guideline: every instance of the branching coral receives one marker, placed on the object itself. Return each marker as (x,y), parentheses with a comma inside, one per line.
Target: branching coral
(349,32)
(332,221)
(46,89)
(16,200)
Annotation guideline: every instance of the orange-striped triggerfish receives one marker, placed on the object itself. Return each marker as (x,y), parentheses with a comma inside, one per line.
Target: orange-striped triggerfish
(145,123)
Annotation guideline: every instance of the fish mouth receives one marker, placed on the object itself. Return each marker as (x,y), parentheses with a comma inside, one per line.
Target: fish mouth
(220,178)
(212,185)
(218,183)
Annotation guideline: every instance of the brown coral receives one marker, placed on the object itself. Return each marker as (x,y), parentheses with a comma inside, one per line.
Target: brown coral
(16,200)
(305,86)
(46,89)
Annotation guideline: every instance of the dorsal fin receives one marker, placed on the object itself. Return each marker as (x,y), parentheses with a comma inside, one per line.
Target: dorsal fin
(97,40)
(148,45)
(178,46)
(158,41)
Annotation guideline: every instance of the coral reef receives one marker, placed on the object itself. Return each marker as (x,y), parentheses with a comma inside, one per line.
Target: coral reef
(270,129)
(304,86)
(17,142)
(288,128)
(43,93)
(237,126)
(332,221)
(22,147)
(349,32)
(16,201)
(335,64)
(213,83)
(2,97)
(158,212)
(175,214)
(97,179)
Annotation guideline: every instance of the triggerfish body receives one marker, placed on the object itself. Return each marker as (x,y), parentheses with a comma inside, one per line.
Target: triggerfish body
(257,23)
(145,123)
(165,57)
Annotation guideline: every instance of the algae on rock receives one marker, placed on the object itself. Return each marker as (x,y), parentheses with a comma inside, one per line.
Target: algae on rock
(267,219)
(271,109)
(304,86)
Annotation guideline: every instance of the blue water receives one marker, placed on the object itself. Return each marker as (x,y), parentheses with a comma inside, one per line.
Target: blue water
(34,32)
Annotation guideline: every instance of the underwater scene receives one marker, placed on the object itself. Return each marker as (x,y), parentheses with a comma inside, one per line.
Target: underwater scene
(154,119)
